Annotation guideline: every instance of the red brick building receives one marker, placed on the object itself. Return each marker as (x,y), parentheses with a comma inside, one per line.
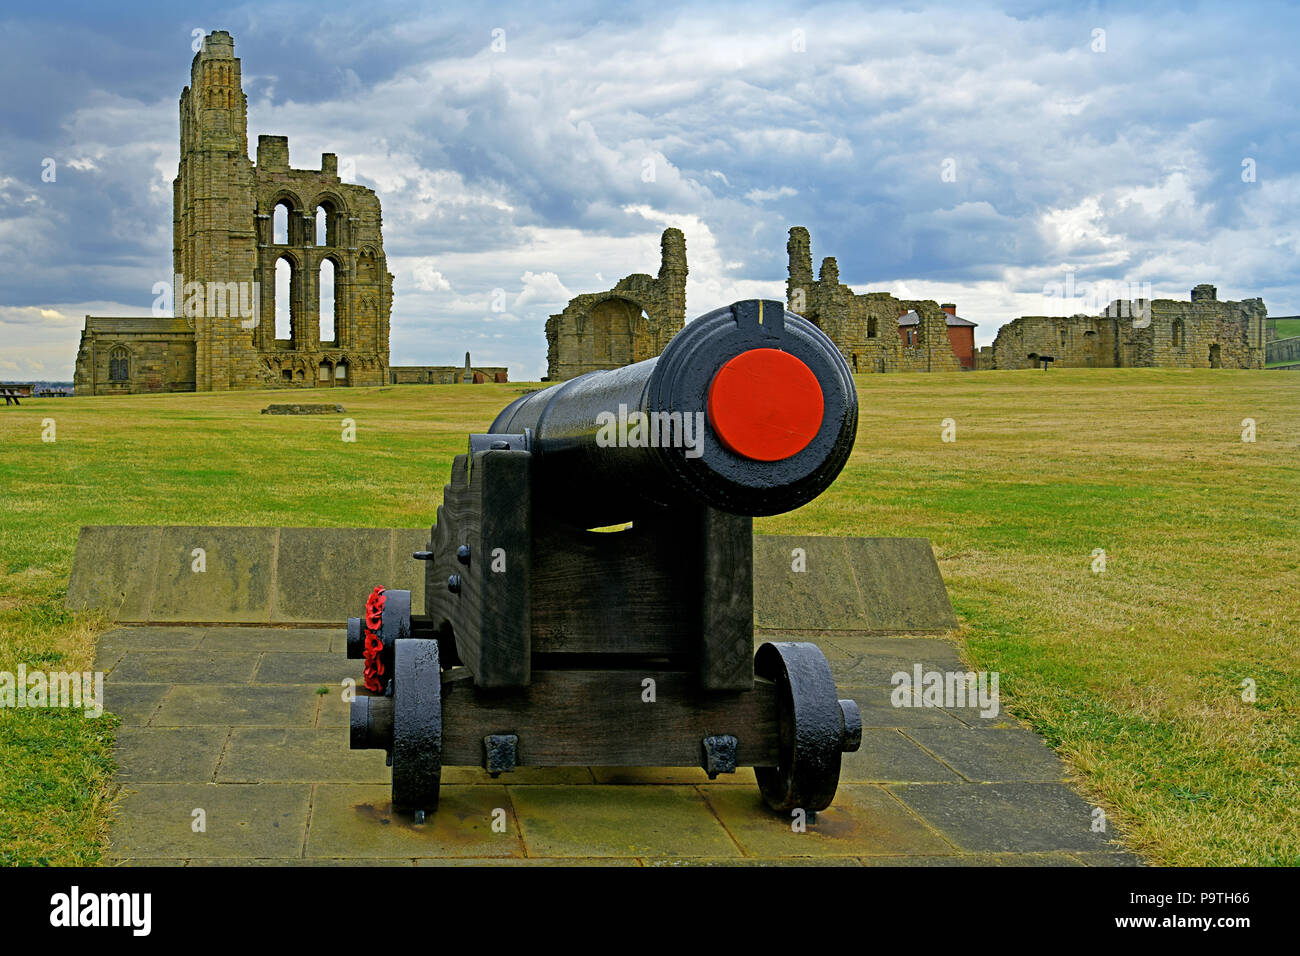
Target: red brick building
(961,333)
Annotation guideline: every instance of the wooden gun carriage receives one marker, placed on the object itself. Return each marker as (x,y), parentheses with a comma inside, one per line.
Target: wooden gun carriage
(545,643)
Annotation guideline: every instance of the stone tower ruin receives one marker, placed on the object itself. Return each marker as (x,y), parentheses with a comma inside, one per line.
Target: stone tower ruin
(327,255)
(866,326)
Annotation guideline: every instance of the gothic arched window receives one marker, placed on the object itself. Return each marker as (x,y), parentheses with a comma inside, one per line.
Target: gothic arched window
(119,365)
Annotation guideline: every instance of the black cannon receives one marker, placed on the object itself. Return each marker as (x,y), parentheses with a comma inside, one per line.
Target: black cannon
(548,639)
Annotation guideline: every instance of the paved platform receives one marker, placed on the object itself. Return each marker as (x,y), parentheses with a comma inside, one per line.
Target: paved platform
(244,730)
(311,577)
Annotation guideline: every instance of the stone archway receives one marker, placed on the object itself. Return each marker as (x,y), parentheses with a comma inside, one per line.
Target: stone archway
(611,332)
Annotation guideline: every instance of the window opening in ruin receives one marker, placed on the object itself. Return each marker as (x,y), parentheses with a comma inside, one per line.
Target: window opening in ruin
(327,297)
(280,224)
(283,300)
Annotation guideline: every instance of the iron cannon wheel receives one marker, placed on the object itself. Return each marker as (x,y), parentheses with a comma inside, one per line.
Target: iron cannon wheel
(812,728)
(417,726)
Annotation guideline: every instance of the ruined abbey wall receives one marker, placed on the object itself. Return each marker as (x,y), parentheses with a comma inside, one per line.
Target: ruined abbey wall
(1161,333)
(225,255)
(865,326)
(352,244)
(629,323)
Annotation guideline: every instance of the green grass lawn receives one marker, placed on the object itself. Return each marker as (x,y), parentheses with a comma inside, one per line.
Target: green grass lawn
(1286,327)
(1134,675)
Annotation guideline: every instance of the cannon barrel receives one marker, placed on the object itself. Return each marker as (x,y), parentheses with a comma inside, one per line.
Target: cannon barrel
(750,409)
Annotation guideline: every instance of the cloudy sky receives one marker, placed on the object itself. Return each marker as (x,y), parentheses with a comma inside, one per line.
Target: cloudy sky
(957,152)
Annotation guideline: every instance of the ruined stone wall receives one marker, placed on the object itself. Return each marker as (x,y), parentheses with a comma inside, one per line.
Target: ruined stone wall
(1072,342)
(864,327)
(352,244)
(1162,333)
(1206,333)
(444,374)
(629,323)
(1283,350)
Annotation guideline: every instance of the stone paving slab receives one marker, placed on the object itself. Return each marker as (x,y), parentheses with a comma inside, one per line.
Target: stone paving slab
(521,776)
(333,710)
(991,756)
(224,575)
(197,705)
(532,861)
(888,756)
(240,820)
(194,666)
(317,571)
(1006,817)
(613,820)
(169,754)
(693,776)
(980,859)
(113,569)
(115,645)
(357,821)
(234,581)
(136,704)
(856,583)
(284,640)
(877,709)
(297,755)
(289,667)
(319,575)
(250,724)
(863,820)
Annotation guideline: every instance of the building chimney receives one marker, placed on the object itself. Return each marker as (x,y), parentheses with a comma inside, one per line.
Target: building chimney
(950,308)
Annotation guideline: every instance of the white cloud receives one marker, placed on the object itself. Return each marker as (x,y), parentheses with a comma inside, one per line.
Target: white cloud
(766,195)
(542,291)
(429,279)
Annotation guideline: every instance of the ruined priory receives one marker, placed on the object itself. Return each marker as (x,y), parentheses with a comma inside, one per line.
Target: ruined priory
(241,232)
(280,279)
(877,332)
